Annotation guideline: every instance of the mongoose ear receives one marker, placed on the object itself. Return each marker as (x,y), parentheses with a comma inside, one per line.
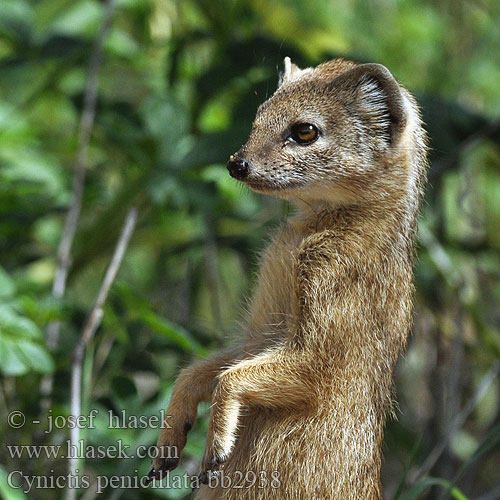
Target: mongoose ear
(378,99)
(292,71)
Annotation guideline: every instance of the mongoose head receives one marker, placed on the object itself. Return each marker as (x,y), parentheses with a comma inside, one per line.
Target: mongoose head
(339,133)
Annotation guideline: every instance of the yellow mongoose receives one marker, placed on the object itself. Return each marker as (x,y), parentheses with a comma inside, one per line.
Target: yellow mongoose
(298,409)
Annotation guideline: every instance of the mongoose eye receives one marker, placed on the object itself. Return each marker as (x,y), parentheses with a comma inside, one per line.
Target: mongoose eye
(304,133)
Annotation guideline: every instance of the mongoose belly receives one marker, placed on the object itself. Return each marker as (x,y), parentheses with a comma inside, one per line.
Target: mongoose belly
(278,456)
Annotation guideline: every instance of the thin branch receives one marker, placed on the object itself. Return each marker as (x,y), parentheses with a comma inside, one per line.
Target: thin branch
(458,422)
(91,325)
(73,215)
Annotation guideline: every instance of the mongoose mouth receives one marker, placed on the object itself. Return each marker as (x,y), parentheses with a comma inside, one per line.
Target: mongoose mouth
(275,188)
(241,170)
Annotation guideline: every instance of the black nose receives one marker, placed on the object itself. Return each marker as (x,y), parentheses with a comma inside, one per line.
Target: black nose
(238,168)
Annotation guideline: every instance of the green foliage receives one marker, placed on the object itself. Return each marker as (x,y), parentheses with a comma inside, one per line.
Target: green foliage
(178,89)
(415,492)
(6,491)
(21,340)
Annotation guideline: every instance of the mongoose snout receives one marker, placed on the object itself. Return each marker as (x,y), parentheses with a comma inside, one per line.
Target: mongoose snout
(238,168)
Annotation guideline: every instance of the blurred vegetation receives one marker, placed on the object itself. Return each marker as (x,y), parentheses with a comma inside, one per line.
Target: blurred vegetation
(179,85)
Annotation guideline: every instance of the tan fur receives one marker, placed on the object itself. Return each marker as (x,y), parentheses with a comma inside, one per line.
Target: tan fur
(308,390)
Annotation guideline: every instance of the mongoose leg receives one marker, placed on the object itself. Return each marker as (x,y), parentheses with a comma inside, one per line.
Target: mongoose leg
(194,385)
(277,378)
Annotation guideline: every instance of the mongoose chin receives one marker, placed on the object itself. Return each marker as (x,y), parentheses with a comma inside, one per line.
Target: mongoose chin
(300,401)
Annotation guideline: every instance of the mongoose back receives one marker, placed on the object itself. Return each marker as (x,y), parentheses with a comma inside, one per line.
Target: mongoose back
(299,406)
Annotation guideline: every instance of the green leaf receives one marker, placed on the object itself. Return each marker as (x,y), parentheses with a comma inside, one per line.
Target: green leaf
(175,333)
(21,347)
(13,325)
(16,18)
(81,18)
(420,486)
(31,166)
(36,356)
(7,492)
(7,286)
(140,310)
(11,361)
(121,44)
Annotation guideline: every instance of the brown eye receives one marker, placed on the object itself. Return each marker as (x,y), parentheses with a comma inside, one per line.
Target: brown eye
(304,133)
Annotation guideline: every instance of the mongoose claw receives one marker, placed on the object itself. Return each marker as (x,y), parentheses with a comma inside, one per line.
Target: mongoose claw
(154,474)
(210,467)
(205,476)
(164,465)
(150,476)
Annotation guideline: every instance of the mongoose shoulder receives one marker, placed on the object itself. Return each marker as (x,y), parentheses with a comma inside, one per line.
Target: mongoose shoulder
(298,407)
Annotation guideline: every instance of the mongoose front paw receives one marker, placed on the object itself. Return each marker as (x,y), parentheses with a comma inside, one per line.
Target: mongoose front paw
(215,456)
(221,434)
(210,465)
(160,467)
(168,449)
